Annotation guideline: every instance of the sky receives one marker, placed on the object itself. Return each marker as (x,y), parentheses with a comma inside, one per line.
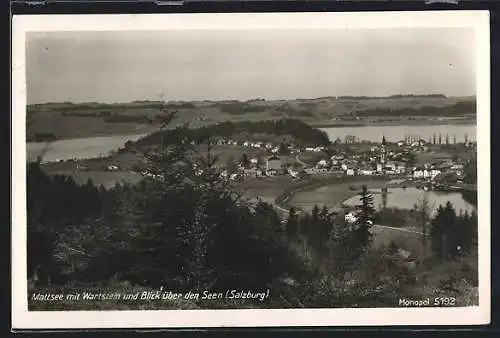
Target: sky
(124,66)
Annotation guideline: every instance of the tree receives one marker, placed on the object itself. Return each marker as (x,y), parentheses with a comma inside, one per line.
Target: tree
(443,235)
(283,150)
(424,209)
(261,162)
(231,165)
(292,223)
(364,221)
(245,161)
(411,159)
(470,172)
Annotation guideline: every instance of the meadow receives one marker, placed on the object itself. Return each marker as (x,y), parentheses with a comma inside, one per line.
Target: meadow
(332,195)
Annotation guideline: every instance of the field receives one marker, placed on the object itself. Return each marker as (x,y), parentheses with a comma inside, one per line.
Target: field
(266,188)
(85,120)
(332,195)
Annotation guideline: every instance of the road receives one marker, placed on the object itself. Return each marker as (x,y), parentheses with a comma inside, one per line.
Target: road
(284,213)
(302,163)
(398,229)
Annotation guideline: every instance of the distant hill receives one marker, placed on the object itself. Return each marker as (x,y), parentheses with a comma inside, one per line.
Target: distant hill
(70,120)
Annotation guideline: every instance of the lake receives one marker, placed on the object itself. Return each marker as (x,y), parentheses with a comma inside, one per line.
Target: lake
(406,199)
(397,133)
(79,148)
(101,146)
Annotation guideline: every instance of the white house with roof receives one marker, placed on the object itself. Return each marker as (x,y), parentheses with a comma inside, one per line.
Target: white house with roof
(322,163)
(421,173)
(254,160)
(293,173)
(434,173)
(366,172)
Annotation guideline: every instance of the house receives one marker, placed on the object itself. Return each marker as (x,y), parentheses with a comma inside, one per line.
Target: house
(390,166)
(400,143)
(379,167)
(418,173)
(309,148)
(400,168)
(343,166)
(421,173)
(271,172)
(350,172)
(112,168)
(246,144)
(434,173)
(310,171)
(254,160)
(367,172)
(269,146)
(252,172)
(293,173)
(351,217)
(322,163)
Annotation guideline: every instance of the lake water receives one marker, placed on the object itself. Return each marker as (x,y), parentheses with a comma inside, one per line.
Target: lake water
(79,148)
(406,199)
(397,133)
(101,146)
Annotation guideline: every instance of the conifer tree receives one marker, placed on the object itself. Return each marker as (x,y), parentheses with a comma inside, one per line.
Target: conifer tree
(364,222)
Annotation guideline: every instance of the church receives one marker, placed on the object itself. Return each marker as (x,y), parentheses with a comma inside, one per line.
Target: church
(383,156)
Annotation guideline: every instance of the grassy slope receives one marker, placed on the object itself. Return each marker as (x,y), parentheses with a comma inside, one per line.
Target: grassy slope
(332,195)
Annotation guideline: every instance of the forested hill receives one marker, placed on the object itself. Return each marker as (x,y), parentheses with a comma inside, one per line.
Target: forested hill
(300,131)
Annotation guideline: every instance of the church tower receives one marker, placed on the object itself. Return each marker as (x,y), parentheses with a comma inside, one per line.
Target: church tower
(383,152)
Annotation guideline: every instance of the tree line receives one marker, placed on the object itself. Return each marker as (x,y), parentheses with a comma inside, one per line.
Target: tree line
(457,109)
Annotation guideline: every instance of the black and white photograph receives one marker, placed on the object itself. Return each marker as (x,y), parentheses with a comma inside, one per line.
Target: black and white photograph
(303,169)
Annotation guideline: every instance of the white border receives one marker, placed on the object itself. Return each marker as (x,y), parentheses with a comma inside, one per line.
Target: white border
(22,319)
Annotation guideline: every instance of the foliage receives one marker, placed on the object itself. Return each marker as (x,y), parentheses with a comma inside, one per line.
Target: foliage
(296,128)
(362,229)
(184,226)
(452,234)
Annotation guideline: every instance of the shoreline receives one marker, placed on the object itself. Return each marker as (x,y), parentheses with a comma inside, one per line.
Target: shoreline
(317,125)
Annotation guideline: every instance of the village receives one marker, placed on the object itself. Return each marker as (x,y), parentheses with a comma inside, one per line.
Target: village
(344,159)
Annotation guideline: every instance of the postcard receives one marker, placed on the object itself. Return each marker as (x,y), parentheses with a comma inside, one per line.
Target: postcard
(251,170)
